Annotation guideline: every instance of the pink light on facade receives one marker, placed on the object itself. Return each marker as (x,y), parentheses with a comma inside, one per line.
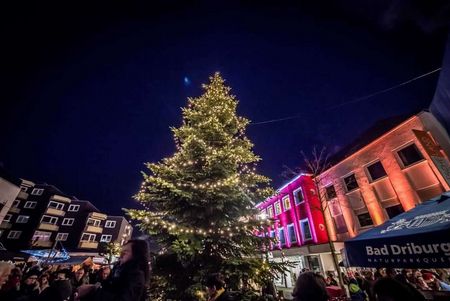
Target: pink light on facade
(297,202)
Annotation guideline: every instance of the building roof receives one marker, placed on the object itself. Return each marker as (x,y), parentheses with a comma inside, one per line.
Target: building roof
(374,132)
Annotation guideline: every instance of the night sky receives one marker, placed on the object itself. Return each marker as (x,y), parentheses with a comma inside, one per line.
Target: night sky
(88,93)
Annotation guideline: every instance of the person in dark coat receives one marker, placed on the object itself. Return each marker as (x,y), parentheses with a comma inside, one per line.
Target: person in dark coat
(29,288)
(388,289)
(60,289)
(310,287)
(128,280)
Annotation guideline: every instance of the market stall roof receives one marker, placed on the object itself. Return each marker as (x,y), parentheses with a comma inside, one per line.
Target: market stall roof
(419,238)
(74,260)
(13,256)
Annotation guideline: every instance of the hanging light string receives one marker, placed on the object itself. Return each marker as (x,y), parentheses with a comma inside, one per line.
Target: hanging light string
(359,99)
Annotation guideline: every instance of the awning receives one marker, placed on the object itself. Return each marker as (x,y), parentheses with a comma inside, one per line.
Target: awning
(419,238)
(74,260)
(13,256)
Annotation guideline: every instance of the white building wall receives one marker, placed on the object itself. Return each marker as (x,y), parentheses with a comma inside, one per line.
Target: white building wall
(8,193)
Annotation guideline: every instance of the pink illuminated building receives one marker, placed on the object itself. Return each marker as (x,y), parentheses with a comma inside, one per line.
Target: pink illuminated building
(299,227)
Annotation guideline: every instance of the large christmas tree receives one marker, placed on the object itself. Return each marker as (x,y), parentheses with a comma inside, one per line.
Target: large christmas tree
(200,201)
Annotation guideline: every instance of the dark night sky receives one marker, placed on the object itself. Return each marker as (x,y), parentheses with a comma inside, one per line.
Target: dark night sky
(88,93)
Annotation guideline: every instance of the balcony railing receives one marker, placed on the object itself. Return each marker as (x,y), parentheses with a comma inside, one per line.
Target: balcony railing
(14,210)
(53,211)
(98,215)
(43,243)
(49,227)
(5,225)
(22,195)
(93,229)
(60,198)
(88,245)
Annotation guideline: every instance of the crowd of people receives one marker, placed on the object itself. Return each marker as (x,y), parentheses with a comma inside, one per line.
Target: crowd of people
(128,279)
(383,284)
(39,282)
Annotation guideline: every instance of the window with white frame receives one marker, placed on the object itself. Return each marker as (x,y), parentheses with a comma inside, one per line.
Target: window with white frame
(74,208)
(306,230)
(15,204)
(330,191)
(22,219)
(30,205)
(277,206)
(24,188)
(37,191)
(281,236)
(350,182)
(68,221)
(291,231)
(298,196)
(89,237)
(375,171)
(14,234)
(62,236)
(55,205)
(93,222)
(47,219)
(110,224)
(286,203)
(270,211)
(106,238)
(7,218)
(409,155)
(41,235)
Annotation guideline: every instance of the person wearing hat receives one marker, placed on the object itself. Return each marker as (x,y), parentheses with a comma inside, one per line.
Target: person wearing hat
(60,289)
(29,288)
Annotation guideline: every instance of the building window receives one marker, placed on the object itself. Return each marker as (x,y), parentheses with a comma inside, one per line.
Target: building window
(393,211)
(14,234)
(22,219)
(277,207)
(105,238)
(47,219)
(62,236)
(409,155)
(93,222)
(281,236)
(55,205)
(365,220)
(1,232)
(270,211)
(350,182)
(30,205)
(74,208)
(298,196)
(286,203)
(37,191)
(306,230)
(89,237)
(7,218)
(41,235)
(330,192)
(336,213)
(15,204)
(110,224)
(68,221)
(24,188)
(376,171)
(291,231)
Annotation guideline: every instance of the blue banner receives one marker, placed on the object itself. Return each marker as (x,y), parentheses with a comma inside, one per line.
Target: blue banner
(419,238)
